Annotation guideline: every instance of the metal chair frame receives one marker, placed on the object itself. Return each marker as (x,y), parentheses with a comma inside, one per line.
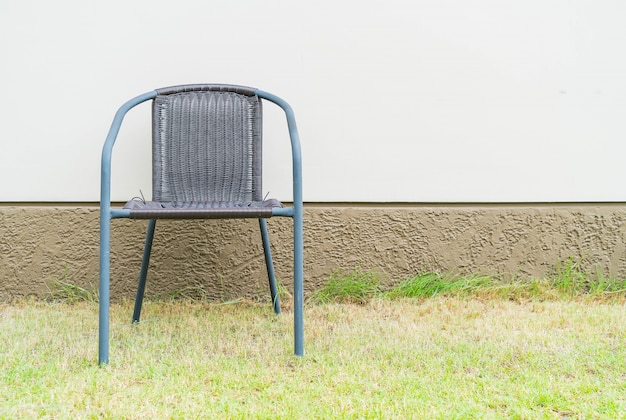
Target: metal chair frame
(107,213)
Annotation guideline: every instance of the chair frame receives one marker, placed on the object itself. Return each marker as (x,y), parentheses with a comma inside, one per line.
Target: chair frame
(107,213)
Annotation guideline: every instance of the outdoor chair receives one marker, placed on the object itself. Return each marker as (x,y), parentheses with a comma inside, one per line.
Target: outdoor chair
(206,164)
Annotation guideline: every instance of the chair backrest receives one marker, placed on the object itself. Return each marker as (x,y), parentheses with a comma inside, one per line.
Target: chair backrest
(207,144)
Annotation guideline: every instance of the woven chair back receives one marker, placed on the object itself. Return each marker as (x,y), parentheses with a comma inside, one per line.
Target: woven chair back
(207,145)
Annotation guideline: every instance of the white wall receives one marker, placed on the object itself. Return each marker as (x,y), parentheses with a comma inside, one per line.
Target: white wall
(416,100)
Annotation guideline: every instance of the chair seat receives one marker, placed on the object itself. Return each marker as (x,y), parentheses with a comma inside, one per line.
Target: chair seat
(140,209)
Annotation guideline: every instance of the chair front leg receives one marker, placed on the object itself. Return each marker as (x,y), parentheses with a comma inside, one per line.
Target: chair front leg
(104,287)
(298,280)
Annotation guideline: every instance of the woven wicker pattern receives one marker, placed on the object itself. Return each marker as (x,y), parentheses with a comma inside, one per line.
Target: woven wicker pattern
(214,210)
(137,204)
(206,147)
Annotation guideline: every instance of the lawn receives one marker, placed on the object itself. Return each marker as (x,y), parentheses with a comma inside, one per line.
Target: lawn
(439,357)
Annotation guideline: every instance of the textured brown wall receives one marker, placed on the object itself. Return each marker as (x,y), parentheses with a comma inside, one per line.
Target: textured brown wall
(41,244)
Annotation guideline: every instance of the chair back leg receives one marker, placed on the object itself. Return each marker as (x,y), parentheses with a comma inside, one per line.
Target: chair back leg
(143,274)
(270,265)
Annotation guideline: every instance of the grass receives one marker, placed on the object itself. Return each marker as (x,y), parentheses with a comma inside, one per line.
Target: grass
(438,358)
(569,280)
(355,287)
(434,347)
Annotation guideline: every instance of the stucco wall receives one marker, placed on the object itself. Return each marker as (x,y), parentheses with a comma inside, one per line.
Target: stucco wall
(224,259)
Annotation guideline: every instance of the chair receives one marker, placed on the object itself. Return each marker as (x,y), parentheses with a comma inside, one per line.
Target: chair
(206,164)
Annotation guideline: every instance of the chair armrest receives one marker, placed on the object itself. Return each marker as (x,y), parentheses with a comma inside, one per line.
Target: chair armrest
(107,150)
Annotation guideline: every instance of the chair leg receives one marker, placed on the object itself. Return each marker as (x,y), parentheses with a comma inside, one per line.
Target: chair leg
(143,274)
(270,265)
(298,280)
(104,286)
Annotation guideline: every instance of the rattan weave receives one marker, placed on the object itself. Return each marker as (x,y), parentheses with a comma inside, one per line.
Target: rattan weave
(206,154)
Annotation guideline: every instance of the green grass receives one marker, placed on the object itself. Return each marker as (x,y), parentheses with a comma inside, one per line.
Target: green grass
(444,357)
(355,287)
(569,280)
(433,284)
(434,346)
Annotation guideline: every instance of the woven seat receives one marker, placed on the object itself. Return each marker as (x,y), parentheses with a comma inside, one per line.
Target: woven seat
(207,210)
(206,164)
